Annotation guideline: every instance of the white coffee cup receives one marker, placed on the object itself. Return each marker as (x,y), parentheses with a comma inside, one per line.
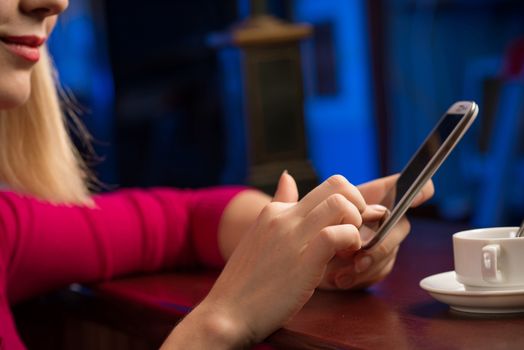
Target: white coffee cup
(489,258)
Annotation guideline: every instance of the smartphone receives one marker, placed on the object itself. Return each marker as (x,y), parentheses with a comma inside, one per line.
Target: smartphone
(422,166)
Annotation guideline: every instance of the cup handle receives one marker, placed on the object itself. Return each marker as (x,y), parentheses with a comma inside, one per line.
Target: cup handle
(489,263)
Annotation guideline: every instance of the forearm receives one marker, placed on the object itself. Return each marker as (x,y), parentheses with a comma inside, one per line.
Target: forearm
(238,216)
(209,326)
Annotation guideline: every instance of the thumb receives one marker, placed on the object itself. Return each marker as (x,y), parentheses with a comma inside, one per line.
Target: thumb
(287,190)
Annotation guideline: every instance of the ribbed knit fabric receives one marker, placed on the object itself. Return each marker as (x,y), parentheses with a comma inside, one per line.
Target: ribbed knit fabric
(44,247)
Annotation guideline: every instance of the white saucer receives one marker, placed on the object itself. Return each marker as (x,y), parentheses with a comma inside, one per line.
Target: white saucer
(445,288)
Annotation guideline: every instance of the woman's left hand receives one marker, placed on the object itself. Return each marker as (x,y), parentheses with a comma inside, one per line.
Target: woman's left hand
(363,268)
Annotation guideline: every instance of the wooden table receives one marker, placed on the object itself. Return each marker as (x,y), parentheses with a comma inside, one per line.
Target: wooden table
(394,314)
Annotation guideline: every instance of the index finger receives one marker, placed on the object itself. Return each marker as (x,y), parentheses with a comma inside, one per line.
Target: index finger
(374,191)
(334,184)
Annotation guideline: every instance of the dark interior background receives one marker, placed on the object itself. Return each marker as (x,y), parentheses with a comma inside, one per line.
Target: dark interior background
(157,95)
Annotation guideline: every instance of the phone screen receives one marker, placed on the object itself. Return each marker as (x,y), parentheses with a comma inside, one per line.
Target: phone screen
(411,173)
(419,161)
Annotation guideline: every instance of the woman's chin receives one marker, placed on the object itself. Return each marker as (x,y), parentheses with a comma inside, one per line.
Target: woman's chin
(6,104)
(14,93)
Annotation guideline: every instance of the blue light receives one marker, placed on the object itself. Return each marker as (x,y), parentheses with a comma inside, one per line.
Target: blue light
(341,128)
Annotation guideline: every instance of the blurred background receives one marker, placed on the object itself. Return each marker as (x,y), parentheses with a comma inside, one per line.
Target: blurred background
(164,87)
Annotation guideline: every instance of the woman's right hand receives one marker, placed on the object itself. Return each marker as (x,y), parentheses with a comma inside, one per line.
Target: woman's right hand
(277,265)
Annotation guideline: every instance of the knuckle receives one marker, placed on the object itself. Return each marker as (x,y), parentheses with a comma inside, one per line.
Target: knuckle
(404,226)
(407,226)
(382,274)
(326,235)
(274,207)
(387,269)
(356,217)
(395,253)
(265,212)
(338,181)
(341,185)
(382,251)
(274,223)
(431,188)
(336,202)
(360,202)
(352,230)
(270,211)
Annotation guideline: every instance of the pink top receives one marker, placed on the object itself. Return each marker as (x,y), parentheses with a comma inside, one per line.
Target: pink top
(45,247)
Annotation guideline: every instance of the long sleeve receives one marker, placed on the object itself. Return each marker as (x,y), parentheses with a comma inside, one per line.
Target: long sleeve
(45,247)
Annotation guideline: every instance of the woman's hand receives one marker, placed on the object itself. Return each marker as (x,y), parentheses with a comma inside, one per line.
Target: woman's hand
(277,265)
(353,270)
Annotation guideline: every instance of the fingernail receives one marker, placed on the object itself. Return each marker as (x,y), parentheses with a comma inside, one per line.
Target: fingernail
(418,197)
(285,172)
(363,264)
(377,208)
(344,281)
(375,213)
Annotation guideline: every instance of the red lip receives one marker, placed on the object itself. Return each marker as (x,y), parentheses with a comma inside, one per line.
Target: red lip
(25,46)
(26,40)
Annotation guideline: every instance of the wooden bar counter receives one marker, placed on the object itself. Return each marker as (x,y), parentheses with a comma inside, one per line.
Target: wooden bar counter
(139,312)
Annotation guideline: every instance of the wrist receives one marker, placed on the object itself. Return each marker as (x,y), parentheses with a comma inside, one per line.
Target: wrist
(207,326)
(225,329)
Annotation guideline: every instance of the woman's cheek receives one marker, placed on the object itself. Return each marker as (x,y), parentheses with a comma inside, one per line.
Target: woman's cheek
(50,24)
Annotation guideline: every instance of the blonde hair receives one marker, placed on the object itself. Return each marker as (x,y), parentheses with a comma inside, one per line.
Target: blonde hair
(37,156)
